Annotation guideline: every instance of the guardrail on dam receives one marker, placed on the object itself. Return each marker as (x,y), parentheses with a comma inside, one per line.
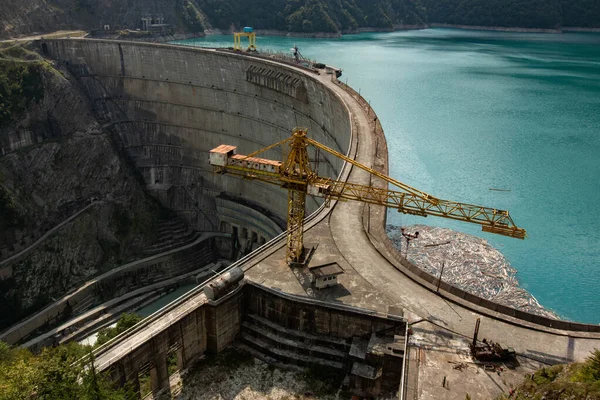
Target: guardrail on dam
(171,104)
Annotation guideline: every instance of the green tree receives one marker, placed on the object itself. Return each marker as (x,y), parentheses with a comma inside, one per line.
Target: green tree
(562,382)
(125,322)
(190,16)
(94,386)
(590,370)
(54,374)
(311,15)
(20,85)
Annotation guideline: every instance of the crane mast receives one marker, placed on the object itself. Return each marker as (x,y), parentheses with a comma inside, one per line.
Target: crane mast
(297,176)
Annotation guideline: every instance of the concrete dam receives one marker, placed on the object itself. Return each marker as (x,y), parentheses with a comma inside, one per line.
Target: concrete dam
(168,106)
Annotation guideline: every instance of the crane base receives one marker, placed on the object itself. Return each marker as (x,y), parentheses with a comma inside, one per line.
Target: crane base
(307,254)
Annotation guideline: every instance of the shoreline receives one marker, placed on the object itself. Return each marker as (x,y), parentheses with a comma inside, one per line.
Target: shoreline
(134,37)
(312,35)
(97,34)
(395,28)
(579,29)
(399,28)
(496,28)
(276,32)
(321,35)
(563,29)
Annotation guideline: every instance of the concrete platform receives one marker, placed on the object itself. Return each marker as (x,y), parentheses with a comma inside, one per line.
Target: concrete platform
(352,289)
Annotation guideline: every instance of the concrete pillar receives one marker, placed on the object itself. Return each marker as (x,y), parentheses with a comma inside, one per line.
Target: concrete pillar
(180,363)
(223,323)
(119,377)
(135,385)
(159,374)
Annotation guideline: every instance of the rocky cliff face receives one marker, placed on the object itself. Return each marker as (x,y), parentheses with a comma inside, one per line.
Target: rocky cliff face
(26,17)
(58,162)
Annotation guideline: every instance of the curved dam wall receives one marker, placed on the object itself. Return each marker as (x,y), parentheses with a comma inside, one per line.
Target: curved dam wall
(374,223)
(170,105)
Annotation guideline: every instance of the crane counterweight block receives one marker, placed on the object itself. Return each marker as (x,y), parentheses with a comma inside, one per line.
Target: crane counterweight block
(515,232)
(296,174)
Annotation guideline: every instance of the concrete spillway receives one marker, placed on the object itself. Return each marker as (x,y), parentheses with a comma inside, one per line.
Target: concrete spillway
(171,105)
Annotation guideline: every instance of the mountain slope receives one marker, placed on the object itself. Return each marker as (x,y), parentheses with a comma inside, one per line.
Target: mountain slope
(307,16)
(56,161)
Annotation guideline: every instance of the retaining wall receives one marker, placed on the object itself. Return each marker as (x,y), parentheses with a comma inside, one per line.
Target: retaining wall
(316,317)
(212,326)
(107,286)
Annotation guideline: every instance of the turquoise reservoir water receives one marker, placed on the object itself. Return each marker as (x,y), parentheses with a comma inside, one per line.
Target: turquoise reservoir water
(466,111)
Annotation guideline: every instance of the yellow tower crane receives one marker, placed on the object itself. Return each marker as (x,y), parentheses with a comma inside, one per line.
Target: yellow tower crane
(297,176)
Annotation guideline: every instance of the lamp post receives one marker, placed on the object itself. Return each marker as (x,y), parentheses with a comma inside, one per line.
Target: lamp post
(408,237)
(440,278)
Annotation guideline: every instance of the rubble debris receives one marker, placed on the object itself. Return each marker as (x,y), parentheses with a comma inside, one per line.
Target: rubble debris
(459,365)
(471,264)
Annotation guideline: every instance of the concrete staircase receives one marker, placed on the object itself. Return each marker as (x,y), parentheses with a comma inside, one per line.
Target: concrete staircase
(290,348)
(201,256)
(86,303)
(172,233)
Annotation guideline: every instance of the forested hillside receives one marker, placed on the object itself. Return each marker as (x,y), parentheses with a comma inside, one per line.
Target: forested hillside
(505,13)
(343,15)
(582,13)
(547,14)
(304,16)
(312,15)
(196,15)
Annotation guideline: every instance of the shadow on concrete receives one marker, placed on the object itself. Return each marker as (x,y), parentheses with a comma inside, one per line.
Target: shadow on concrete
(545,357)
(439,340)
(570,348)
(436,320)
(333,293)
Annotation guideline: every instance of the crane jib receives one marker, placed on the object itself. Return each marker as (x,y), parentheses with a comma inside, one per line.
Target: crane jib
(296,174)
